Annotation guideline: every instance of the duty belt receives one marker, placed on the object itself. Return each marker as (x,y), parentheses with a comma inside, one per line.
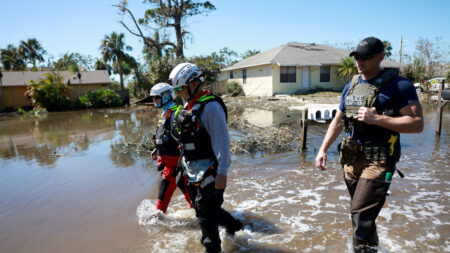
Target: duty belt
(349,149)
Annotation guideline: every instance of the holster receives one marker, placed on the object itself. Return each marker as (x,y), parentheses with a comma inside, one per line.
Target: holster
(348,150)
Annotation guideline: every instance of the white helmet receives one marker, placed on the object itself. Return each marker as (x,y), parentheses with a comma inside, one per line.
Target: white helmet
(184,73)
(163,90)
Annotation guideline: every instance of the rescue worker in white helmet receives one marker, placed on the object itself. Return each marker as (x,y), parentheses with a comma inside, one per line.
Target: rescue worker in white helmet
(166,150)
(201,130)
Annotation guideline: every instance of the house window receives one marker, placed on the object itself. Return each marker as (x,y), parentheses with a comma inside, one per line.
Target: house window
(231,74)
(288,74)
(325,74)
(244,76)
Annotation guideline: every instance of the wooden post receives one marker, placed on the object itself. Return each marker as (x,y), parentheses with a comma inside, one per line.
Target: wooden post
(439,109)
(304,129)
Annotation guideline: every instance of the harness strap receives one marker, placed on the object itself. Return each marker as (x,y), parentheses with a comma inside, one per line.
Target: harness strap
(400,173)
(355,81)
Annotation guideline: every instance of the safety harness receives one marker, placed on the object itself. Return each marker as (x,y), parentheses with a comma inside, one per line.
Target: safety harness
(194,140)
(164,141)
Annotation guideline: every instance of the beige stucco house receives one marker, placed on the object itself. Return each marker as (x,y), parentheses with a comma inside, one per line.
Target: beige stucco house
(14,85)
(289,69)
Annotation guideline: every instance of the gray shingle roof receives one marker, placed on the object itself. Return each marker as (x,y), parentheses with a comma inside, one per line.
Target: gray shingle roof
(300,54)
(18,78)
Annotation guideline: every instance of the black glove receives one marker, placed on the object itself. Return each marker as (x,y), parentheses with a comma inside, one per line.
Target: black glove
(160,167)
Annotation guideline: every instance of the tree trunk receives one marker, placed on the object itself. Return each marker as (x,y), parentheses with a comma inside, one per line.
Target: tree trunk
(179,48)
(120,73)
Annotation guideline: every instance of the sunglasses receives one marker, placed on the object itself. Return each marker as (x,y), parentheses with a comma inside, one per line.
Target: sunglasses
(363,57)
(179,88)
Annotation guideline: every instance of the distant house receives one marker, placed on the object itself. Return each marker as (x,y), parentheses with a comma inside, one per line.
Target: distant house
(290,68)
(15,85)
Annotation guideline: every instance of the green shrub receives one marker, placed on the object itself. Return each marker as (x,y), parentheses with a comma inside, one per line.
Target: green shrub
(49,92)
(99,99)
(234,88)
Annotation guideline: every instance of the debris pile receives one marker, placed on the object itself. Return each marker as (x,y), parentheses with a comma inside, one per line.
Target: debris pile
(142,148)
(267,141)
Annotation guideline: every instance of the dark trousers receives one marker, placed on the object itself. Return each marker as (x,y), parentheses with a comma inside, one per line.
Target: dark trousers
(207,203)
(368,190)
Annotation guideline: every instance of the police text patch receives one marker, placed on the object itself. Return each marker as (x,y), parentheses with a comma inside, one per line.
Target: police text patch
(355,100)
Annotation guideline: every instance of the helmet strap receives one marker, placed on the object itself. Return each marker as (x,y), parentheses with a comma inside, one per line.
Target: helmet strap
(191,95)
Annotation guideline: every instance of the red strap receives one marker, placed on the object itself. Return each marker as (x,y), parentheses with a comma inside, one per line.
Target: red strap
(168,112)
(192,102)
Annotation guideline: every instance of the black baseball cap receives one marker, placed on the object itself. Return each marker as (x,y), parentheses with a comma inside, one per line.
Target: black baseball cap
(369,46)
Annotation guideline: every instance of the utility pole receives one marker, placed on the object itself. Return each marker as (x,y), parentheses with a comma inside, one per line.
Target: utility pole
(400,51)
(443,99)
(1,89)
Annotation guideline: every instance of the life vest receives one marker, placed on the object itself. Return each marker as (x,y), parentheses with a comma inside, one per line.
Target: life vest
(194,140)
(385,143)
(164,141)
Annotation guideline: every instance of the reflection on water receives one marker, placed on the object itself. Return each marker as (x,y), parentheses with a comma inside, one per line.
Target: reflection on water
(265,118)
(88,201)
(45,139)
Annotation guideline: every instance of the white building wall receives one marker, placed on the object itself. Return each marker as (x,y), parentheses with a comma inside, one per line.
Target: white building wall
(335,82)
(258,83)
(286,88)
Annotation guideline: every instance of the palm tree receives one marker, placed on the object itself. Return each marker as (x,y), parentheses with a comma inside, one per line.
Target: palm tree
(100,65)
(66,60)
(112,48)
(32,51)
(347,68)
(11,58)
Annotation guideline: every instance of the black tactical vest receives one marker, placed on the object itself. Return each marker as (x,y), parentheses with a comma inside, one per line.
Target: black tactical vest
(195,140)
(164,142)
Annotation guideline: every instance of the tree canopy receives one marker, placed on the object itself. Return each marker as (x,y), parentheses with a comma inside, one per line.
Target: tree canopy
(32,51)
(113,49)
(387,49)
(165,15)
(347,68)
(12,59)
(249,53)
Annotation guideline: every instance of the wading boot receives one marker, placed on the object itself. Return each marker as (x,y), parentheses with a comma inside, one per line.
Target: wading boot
(230,230)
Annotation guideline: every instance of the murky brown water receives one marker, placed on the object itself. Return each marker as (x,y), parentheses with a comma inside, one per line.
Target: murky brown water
(64,189)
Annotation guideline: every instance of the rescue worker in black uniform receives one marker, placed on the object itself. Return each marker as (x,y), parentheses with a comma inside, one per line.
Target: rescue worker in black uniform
(376,106)
(202,132)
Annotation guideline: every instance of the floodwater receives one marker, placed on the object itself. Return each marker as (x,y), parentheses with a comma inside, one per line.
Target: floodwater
(64,188)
